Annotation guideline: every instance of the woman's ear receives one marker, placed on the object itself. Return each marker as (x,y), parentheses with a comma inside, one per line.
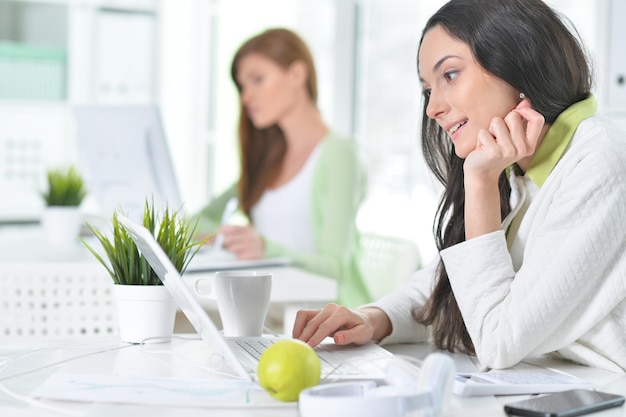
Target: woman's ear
(299,73)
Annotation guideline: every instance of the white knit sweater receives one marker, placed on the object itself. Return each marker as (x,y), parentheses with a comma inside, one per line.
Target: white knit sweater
(559,285)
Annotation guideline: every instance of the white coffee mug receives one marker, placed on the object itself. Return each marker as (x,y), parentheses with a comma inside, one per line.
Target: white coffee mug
(243,299)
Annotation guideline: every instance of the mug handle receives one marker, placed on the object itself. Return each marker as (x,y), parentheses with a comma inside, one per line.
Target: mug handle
(199,292)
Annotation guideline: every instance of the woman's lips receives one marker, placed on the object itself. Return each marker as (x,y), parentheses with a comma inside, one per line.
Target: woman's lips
(455,130)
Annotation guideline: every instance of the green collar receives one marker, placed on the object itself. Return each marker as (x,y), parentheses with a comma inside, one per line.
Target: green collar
(558,138)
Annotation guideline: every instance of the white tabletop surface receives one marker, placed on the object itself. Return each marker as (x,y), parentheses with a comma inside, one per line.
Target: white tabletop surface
(26,365)
(28,244)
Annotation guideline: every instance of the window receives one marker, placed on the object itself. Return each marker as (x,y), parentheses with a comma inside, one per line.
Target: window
(365,52)
(402,197)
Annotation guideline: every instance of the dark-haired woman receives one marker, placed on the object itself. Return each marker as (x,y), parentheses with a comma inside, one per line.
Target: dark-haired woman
(531,227)
(301,184)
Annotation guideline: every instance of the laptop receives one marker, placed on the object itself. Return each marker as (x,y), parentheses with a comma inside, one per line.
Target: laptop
(239,356)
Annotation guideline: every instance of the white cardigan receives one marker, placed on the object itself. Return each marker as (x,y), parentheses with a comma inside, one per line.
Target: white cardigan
(565,290)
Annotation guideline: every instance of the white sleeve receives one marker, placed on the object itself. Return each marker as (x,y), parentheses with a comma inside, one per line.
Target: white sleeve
(571,277)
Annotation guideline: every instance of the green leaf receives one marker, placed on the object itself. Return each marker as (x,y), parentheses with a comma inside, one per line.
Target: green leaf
(65,187)
(127,266)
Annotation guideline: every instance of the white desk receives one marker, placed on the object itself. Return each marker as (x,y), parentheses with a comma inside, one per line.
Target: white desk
(182,359)
(28,244)
(493,406)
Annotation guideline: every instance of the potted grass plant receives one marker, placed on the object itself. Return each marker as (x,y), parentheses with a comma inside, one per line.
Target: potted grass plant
(145,308)
(61,219)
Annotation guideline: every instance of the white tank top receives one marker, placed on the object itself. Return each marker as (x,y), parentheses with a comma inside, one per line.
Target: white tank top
(284,215)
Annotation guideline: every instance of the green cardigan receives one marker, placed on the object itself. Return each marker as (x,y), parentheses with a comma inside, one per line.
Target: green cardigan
(338,189)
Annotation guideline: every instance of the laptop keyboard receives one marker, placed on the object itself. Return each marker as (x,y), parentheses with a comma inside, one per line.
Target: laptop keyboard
(254,347)
(330,367)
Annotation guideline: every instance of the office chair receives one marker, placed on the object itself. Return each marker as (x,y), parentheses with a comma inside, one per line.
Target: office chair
(386,262)
(39,300)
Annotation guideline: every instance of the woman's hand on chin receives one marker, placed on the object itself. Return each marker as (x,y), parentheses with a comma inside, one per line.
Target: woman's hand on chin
(512,139)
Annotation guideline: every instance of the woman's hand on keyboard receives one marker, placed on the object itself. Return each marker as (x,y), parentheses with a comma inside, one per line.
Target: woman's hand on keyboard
(343,324)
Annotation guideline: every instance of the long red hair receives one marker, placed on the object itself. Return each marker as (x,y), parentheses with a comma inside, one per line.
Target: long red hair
(262,150)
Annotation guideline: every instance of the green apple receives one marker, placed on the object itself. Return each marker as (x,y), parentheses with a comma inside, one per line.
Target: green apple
(287,367)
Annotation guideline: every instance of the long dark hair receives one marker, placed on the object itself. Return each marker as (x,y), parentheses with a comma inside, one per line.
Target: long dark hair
(528,45)
(263,150)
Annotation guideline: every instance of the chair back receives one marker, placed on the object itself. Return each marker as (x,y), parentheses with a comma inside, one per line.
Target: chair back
(387,262)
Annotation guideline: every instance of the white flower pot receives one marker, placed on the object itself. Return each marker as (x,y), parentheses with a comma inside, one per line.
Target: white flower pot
(61,224)
(144,312)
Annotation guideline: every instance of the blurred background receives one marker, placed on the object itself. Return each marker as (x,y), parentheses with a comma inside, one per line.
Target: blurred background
(176,54)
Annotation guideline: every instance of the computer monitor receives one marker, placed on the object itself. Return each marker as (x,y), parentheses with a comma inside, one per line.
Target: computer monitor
(124,157)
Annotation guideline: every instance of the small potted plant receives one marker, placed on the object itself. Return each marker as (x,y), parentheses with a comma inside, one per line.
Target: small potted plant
(61,219)
(145,308)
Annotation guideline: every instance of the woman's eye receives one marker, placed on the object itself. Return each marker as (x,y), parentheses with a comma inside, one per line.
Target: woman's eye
(426,92)
(450,75)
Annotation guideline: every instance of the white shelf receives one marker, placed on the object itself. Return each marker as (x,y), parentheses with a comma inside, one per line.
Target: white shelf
(131,5)
(83,51)
(109,59)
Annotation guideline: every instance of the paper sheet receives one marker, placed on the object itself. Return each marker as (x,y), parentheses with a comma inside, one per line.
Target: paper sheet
(155,391)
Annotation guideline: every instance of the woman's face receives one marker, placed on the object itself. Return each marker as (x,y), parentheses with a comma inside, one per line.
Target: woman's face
(268,91)
(464,98)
